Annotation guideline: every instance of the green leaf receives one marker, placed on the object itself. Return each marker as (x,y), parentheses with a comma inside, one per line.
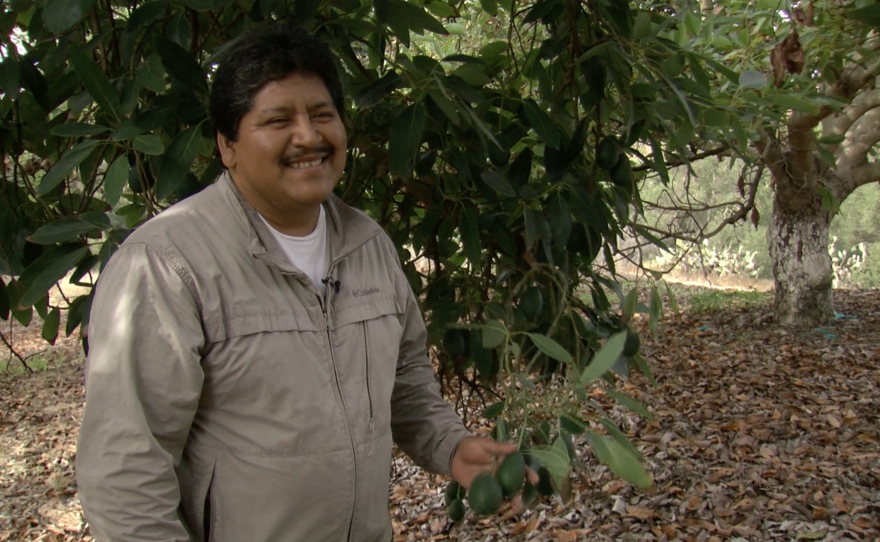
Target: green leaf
(489,6)
(62,15)
(531,228)
(550,347)
(181,65)
(869,14)
(115,179)
(641,26)
(50,325)
(78,312)
(96,83)
(571,424)
(65,165)
(201,5)
(604,359)
(63,230)
(445,105)
(615,432)
(177,161)
(498,182)
(494,334)
(149,144)
(793,102)
(405,139)
(470,237)
(541,122)
(630,304)
(494,410)
(145,13)
(629,403)
(78,129)
(48,269)
(151,74)
(10,77)
(644,368)
(4,300)
(380,8)
(620,460)
(656,308)
(555,458)
(752,79)
(375,91)
(417,18)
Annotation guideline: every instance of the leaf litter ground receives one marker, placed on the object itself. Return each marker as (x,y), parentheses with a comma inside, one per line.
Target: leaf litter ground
(761,433)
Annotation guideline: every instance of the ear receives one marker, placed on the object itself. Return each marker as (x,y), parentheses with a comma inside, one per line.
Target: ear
(227,151)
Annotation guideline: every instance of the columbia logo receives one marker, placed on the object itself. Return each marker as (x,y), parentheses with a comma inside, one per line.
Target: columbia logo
(366,291)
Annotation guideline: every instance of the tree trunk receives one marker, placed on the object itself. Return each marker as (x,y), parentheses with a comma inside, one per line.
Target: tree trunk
(798,242)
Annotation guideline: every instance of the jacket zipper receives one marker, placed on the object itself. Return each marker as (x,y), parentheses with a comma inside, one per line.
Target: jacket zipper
(325,308)
(369,388)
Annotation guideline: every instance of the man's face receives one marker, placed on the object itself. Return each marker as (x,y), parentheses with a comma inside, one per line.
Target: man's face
(290,151)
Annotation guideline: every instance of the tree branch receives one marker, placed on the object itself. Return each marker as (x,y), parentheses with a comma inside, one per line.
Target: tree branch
(860,138)
(861,104)
(720,149)
(853,178)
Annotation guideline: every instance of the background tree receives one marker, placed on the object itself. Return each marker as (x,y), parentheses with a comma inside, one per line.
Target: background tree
(798,83)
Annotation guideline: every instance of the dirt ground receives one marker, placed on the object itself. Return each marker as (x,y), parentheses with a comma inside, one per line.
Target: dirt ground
(761,433)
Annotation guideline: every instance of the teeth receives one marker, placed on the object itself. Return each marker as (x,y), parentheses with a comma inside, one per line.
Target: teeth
(311,163)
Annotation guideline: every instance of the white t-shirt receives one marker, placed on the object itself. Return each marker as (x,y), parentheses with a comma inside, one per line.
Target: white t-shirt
(307,253)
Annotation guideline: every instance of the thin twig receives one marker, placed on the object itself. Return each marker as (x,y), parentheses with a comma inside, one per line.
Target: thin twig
(13,352)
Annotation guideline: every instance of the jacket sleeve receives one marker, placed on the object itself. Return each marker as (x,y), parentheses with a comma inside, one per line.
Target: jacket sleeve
(423,424)
(143,381)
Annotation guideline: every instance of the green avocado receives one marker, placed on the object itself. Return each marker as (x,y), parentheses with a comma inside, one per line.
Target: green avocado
(456,510)
(531,302)
(632,344)
(607,154)
(485,495)
(511,474)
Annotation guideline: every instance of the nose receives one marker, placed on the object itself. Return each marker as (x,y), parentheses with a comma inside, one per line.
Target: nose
(303,133)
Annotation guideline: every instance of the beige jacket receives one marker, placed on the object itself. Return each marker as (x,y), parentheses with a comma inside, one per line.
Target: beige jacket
(229,399)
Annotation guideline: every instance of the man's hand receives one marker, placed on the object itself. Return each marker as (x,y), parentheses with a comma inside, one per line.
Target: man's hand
(476,455)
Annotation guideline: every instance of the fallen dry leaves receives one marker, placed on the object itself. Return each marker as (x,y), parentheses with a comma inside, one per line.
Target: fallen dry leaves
(761,433)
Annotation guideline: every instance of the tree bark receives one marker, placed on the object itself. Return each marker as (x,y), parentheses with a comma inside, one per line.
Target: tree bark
(798,242)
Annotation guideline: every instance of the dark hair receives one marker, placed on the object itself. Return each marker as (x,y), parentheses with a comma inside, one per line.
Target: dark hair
(267,53)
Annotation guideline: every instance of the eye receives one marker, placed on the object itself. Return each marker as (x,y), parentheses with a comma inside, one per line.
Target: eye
(324,115)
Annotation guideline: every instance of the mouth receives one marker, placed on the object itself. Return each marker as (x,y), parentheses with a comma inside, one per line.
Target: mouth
(302,164)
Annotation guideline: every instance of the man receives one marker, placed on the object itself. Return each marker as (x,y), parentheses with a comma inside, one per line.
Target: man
(255,347)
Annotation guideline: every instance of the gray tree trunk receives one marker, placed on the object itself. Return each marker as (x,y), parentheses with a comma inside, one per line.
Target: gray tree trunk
(798,242)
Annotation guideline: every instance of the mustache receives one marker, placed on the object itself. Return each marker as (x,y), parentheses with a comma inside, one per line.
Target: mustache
(300,154)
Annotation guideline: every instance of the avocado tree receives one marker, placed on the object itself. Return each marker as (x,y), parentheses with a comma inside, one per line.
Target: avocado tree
(796,86)
(494,141)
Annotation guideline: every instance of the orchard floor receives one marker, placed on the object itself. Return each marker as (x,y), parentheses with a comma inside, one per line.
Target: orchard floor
(761,433)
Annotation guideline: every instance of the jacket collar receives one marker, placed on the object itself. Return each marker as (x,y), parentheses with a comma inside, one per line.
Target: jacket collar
(347,228)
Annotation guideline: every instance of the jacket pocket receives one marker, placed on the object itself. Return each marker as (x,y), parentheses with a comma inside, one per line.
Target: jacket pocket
(366,341)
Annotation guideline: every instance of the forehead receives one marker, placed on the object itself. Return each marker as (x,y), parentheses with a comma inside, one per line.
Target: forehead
(296,86)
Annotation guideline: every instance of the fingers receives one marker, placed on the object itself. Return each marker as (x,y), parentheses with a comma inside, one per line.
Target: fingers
(532,476)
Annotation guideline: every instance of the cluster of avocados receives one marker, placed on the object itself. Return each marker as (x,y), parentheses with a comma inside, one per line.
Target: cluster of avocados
(488,491)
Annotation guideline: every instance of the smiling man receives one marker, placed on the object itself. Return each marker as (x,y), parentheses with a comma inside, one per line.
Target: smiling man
(255,349)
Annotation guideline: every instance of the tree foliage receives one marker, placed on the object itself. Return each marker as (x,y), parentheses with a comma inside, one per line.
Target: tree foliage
(499,144)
